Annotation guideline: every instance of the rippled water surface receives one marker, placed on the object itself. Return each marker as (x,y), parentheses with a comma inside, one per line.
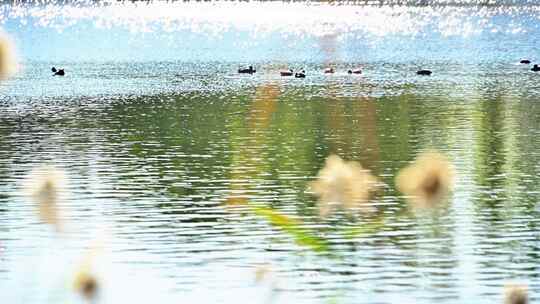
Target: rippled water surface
(157,132)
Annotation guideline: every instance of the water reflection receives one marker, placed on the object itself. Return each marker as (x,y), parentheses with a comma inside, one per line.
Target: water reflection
(160,168)
(502,202)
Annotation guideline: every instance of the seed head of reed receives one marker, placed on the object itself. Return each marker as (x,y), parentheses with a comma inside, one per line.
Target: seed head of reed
(85,283)
(427,180)
(343,184)
(46,186)
(8,62)
(515,294)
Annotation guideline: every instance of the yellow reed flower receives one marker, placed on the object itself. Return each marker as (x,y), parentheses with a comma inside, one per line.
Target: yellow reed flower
(427,180)
(345,185)
(85,283)
(8,62)
(46,186)
(515,294)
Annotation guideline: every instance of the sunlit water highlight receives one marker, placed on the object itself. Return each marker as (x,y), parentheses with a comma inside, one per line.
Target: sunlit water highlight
(157,131)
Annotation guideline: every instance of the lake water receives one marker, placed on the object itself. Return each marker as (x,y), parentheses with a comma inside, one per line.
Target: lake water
(156,131)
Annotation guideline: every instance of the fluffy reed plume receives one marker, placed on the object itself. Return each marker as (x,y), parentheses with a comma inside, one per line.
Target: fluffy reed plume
(45,186)
(427,180)
(85,283)
(8,63)
(515,294)
(343,184)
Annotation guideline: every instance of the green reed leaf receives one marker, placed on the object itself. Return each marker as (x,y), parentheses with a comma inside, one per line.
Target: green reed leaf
(292,227)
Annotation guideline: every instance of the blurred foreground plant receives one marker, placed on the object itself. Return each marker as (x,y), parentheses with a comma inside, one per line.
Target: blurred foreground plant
(8,62)
(46,186)
(345,185)
(303,235)
(515,294)
(85,283)
(293,227)
(426,181)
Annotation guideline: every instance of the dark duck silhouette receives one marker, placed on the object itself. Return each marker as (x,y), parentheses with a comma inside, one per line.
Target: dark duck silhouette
(249,70)
(301,74)
(535,68)
(59,72)
(424,72)
(288,72)
(355,71)
(525,61)
(329,71)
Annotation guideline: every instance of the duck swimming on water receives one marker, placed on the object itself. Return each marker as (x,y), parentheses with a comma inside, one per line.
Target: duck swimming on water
(424,72)
(525,61)
(535,68)
(288,72)
(355,71)
(329,71)
(59,72)
(249,70)
(301,74)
